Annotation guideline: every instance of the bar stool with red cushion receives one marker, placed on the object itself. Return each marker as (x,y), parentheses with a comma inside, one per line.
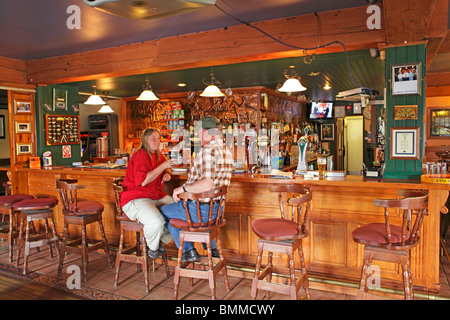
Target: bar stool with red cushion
(126,254)
(80,213)
(35,210)
(203,232)
(6,208)
(283,235)
(393,243)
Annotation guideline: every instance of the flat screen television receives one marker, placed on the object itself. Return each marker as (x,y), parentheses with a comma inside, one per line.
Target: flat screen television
(321,110)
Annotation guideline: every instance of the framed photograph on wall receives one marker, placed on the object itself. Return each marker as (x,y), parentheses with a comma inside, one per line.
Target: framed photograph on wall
(23,148)
(23,127)
(59,99)
(23,107)
(405,143)
(2,127)
(406,79)
(327,131)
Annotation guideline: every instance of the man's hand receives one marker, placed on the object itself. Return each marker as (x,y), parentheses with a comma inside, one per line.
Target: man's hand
(176,192)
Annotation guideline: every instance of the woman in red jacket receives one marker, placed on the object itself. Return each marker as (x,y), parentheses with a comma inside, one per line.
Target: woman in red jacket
(143,193)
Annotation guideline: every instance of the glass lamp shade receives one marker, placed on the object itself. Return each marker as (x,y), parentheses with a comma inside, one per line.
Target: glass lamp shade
(212,91)
(292,85)
(147,95)
(106,109)
(95,100)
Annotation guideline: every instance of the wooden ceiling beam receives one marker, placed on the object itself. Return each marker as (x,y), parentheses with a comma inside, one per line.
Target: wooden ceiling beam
(13,70)
(408,20)
(437,30)
(217,47)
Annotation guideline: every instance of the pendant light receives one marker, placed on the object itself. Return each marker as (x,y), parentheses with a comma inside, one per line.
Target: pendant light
(95,99)
(147,94)
(292,84)
(105,108)
(212,91)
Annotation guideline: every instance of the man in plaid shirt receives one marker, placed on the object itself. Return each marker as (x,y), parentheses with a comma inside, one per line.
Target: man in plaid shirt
(212,167)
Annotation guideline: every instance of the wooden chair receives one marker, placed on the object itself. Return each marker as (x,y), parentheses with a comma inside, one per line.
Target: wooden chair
(8,191)
(203,232)
(393,243)
(6,209)
(80,213)
(141,259)
(34,210)
(284,235)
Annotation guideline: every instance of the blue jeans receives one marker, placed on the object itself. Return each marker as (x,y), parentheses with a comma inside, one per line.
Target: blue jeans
(176,210)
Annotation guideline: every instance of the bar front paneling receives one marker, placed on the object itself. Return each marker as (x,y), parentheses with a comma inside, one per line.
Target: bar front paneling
(339,206)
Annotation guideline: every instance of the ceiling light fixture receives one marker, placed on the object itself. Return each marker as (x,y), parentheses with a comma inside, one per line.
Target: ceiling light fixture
(105,108)
(95,99)
(326,87)
(147,94)
(212,91)
(292,84)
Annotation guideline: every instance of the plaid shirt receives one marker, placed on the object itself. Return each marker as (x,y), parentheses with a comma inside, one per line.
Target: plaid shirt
(215,162)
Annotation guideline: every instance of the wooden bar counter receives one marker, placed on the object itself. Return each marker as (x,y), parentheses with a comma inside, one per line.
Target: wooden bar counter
(339,206)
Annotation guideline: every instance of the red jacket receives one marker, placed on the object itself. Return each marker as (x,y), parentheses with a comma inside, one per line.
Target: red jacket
(137,169)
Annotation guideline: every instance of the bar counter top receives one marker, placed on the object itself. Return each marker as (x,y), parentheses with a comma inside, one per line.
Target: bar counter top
(339,205)
(354,180)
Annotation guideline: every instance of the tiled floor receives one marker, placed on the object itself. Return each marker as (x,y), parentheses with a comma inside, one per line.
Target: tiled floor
(100,283)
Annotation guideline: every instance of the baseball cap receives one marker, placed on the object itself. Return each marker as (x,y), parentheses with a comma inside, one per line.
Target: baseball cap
(210,122)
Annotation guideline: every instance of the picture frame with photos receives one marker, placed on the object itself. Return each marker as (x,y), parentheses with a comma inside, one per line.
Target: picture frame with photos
(23,127)
(406,79)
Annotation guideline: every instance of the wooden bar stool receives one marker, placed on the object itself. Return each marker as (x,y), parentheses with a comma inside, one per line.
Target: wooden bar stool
(6,208)
(33,210)
(203,232)
(393,243)
(81,213)
(283,235)
(141,259)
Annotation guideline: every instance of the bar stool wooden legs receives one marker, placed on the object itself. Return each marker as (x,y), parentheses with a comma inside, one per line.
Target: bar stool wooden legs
(6,208)
(141,258)
(210,274)
(286,247)
(283,235)
(34,210)
(204,231)
(80,245)
(80,213)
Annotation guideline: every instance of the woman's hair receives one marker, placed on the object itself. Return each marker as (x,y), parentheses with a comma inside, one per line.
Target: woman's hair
(144,143)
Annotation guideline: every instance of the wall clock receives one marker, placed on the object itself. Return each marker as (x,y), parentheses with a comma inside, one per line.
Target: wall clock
(367,112)
(405,112)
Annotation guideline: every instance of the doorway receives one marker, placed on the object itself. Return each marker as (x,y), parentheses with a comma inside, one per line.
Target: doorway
(353,144)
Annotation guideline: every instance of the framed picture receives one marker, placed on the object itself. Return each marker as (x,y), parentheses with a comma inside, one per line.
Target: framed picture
(438,123)
(406,79)
(405,143)
(23,148)
(59,99)
(23,107)
(2,127)
(327,131)
(23,127)
(339,112)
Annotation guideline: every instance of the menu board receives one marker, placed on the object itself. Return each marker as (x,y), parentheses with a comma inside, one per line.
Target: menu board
(61,129)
